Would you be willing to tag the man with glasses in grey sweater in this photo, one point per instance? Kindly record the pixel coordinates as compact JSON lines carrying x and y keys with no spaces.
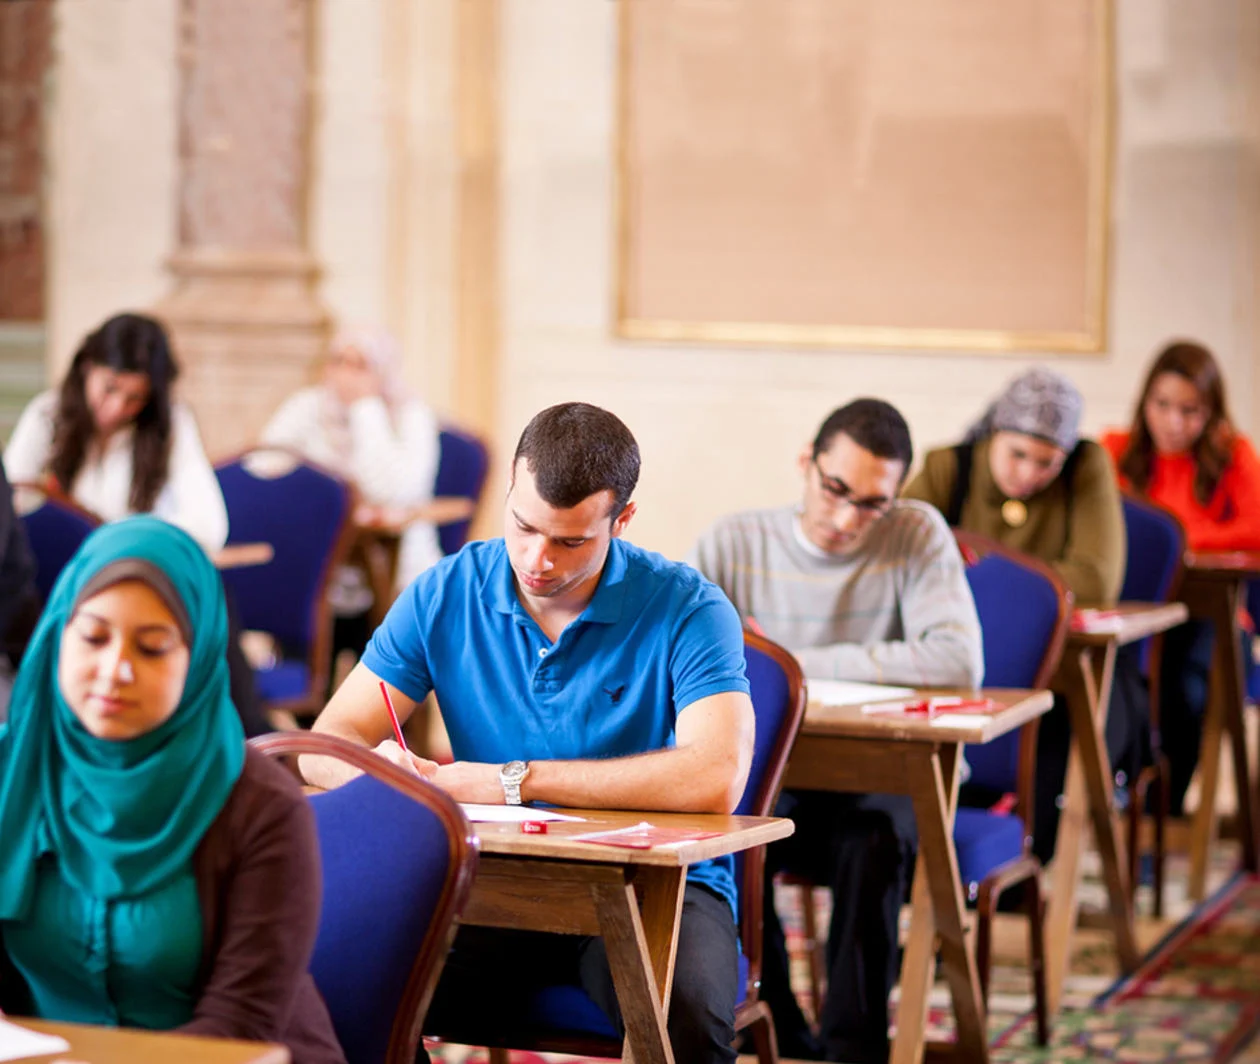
{"x":859,"y":585}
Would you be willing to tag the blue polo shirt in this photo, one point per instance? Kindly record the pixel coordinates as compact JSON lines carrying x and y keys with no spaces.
{"x":655,"y":637}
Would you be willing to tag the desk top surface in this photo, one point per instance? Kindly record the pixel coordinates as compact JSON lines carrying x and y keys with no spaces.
{"x":1133,"y":621}
{"x":1229,"y":565}
{"x":735,"y":833}
{"x":240,"y":555}
{"x":123,"y":1045}
{"x":1018,"y":707}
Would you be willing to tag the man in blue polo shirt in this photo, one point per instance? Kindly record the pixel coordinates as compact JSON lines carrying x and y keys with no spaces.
{"x":575,"y":669}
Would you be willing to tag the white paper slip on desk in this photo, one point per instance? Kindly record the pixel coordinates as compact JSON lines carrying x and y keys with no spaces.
{"x":846,"y":693}
{"x":17,"y":1043}
{"x":509,"y":814}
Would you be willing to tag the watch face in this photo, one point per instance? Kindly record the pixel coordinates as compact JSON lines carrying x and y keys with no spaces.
{"x":514,"y":771}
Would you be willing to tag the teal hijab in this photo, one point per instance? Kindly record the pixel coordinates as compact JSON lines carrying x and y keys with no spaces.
{"x":122,"y":817}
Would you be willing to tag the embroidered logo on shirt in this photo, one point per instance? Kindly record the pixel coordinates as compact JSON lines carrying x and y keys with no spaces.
{"x":615,"y":693}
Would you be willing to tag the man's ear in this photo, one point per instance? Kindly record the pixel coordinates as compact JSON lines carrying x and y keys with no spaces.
{"x":623,"y":519}
{"x":805,"y":459}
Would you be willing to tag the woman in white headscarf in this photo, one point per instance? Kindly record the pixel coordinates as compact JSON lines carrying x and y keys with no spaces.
{"x":362,"y":423}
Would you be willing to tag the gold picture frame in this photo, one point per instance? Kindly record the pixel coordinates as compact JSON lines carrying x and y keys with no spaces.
{"x":639,"y":270}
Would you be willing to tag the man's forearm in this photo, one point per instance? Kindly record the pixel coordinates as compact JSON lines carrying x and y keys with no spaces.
{"x":329,"y":772}
{"x":678,"y":779}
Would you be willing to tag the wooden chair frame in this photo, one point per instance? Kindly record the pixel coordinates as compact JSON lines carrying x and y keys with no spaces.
{"x":462,"y":856}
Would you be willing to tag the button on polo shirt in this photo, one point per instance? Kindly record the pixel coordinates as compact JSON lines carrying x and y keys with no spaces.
{"x":655,"y":637}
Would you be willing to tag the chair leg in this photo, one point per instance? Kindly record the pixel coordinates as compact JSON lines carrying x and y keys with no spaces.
{"x":1037,"y":957}
{"x":1027,"y":870}
{"x":1164,"y":782}
{"x":764,"y":1040}
{"x":815,"y":949}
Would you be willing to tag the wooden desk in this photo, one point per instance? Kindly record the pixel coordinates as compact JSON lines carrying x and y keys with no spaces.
{"x":378,"y":541}
{"x":1212,"y":587}
{"x":551,"y":883}
{"x":842,"y":749}
{"x":1085,"y":678}
{"x":240,"y":555}
{"x":126,"y":1045}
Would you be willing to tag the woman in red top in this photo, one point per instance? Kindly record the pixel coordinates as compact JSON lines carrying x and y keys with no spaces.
{"x":1184,"y":453}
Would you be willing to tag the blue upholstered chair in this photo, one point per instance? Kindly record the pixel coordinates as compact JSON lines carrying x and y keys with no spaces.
{"x":1024,"y":610}
{"x":463,"y":462}
{"x":567,"y":1020}
{"x":1152,"y":573}
{"x":304,"y":512}
{"x":55,"y":526}
{"x":399,"y":860}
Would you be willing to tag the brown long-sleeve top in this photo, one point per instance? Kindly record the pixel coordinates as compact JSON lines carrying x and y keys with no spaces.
{"x":1076,"y":528}
{"x":258,"y":881}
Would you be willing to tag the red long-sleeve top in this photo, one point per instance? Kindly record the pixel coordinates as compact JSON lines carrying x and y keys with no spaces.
{"x":1230,"y":521}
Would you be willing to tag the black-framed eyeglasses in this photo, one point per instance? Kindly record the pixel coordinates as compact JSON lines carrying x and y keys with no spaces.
{"x":837,"y":491}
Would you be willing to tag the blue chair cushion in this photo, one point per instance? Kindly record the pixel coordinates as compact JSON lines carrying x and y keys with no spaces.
{"x":289,"y":679}
{"x":985,"y":841}
{"x":568,"y":1008}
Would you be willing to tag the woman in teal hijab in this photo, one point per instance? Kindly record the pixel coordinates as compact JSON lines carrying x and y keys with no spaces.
{"x":134,"y":828}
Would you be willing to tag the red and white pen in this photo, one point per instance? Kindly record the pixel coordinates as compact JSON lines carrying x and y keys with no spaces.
{"x":393,"y":717}
{"x":925,"y":707}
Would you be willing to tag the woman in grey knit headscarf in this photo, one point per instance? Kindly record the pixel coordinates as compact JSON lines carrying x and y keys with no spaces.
{"x":1023,"y":476}
{"x":1034,"y":426}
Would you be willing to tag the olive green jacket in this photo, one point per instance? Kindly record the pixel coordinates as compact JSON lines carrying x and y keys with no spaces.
{"x":1077,"y":528}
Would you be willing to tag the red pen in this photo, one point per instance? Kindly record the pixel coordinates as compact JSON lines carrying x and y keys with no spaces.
{"x":393,"y":717}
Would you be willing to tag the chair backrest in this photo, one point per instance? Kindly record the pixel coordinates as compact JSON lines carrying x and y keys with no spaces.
{"x":275,"y":496}
{"x":55,"y":526}
{"x":1025,"y":610}
{"x":1156,"y":545}
{"x":463,"y":462}
{"x":778,"y":698}
{"x":399,"y":860}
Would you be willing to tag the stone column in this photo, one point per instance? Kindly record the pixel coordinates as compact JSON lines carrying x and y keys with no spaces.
{"x":25,"y":43}
{"x":244,"y":311}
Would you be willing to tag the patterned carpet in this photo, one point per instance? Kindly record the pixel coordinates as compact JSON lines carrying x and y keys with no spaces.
{"x":1196,"y":998}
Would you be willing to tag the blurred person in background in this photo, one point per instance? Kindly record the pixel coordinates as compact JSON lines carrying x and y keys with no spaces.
{"x":113,"y":438}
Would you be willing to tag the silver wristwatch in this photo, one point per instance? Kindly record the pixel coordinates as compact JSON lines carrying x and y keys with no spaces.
{"x":512,"y":775}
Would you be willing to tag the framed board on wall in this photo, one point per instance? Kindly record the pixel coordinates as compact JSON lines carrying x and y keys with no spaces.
{"x":864,"y":173}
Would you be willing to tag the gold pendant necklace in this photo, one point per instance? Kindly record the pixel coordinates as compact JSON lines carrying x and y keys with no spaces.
{"x":1014,"y":513}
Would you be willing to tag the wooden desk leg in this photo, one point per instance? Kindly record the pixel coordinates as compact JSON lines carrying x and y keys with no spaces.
{"x":1086,"y":796}
{"x":1098,"y":674}
{"x":641,"y":956}
{"x":1224,"y":714}
{"x":935,"y":796}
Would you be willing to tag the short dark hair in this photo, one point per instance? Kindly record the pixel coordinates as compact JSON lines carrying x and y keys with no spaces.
{"x":872,"y":424}
{"x":576,"y":450}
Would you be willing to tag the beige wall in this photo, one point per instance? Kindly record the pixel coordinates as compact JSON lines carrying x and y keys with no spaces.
{"x":384,"y":172}
{"x":110,"y":190}
{"x":720,"y":427}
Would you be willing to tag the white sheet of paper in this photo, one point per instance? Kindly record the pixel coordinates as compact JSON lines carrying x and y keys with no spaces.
{"x":845,"y":693}
{"x":509,"y":814}
{"x":17,"y":1043}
